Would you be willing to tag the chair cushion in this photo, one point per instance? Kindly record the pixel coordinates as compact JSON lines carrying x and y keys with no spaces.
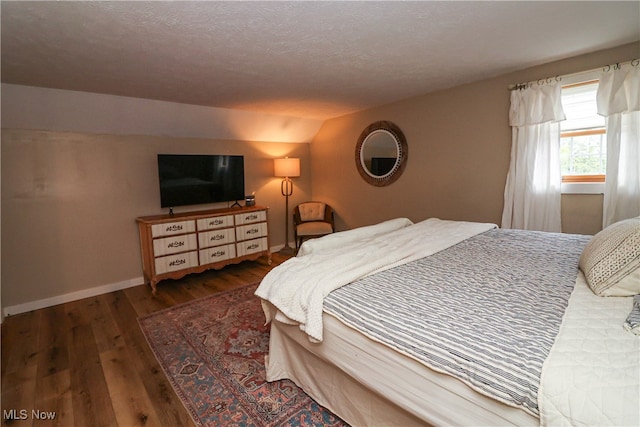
{"x":314,"y":228}
{"x":312,"y":211}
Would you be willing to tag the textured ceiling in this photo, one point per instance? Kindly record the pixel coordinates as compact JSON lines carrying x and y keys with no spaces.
{"x":303,"y":59}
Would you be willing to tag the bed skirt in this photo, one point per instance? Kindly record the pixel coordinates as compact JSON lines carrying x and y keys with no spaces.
{"x":368,"y":384}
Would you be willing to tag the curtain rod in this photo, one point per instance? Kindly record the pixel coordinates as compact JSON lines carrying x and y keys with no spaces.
{"x":606,"y":68}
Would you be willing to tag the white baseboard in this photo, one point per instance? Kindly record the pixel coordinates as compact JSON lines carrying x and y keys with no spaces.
{"x":86,"y":293}
{"x":276,"y":248}
{"x":72,"y":296}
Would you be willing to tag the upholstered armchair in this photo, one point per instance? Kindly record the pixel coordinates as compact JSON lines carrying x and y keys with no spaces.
{"x":312,"y":219}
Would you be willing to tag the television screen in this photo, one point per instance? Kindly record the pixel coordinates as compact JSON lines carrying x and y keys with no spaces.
{"x":192,"y":179}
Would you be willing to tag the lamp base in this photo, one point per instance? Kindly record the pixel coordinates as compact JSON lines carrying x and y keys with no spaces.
{"x":287,"y":250}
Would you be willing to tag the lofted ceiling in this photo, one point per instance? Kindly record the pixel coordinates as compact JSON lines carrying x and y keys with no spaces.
{"x":307,"y":59}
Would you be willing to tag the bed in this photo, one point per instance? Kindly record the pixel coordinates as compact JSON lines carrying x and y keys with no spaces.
{"x":459,"y":323}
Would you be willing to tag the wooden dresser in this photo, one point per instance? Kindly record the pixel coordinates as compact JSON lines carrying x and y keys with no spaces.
{"x":192,"y":242}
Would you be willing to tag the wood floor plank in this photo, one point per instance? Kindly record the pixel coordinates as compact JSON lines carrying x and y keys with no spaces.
{"x":132,"y":404}
{"x":88,"y":362}
{"x":54,"y":401}
{"x":105,"y":329}
{"x":168,"y":406}
{"x":53,"y":354}
{"x":53,"y":405}
{"x":19,"y":394}
{"x":144,"y":302}
{"x":20,"y":346}
{"x":20,"y":370}
{"x":91,"y":400}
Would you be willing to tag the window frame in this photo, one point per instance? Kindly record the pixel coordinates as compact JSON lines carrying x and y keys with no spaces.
{"x":583,"y":177}
{"x":583,"y":184}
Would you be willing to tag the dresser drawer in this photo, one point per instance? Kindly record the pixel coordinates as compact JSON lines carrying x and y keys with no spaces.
{"x":252,"y":246}
{"x":251,"y":231}
{"x":215,"y":222}
{"x":173,"y":228}
{"x":181,"y":261}
{"x":216,"y":237}
{"x":251,"y":217}
{"x":217,"y":254}
{"x":174,"y":244}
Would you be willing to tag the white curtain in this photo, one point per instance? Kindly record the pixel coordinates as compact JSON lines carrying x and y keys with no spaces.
{"x":618,"y":100}
{"x":532,"y":194}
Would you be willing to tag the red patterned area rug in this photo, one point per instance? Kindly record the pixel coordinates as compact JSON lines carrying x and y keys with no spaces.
{"x":212,"y":350}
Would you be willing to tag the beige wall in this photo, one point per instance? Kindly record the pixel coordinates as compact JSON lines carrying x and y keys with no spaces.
{"x":459,"y":144}
{"x":69,"y":200}
{"x":69,"y":203}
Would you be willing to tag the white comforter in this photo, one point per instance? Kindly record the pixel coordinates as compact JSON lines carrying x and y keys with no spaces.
{"x":592,"y":374}
{"x":297,"y":287}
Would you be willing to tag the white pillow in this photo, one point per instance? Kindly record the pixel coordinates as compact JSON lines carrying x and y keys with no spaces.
{"x":344,"y":238}
{"x":611,"y":260}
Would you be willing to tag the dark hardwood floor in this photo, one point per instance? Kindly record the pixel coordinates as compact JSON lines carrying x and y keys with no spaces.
{"x":87,"y":363}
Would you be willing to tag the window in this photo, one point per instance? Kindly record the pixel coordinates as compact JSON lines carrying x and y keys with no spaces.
{"x":583,"y":142}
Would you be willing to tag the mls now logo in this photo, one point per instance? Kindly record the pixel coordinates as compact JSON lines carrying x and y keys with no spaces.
{"x":23,"y":414}
{"x":15,"y":414}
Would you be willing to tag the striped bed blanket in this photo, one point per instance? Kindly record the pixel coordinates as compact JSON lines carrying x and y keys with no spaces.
{"x":486,"y":310}
{"x":294,"y":291}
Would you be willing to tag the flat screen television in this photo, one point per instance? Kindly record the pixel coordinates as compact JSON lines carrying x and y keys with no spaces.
{"x":194,"y":179}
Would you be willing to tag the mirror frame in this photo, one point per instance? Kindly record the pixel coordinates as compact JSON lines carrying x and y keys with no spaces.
{"x":402,"y":150}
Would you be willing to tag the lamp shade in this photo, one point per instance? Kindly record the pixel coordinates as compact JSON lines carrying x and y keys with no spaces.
{"x":287,"y":167}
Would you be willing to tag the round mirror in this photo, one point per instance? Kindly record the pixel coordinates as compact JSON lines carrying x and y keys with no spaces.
{"x":381,"y":153}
